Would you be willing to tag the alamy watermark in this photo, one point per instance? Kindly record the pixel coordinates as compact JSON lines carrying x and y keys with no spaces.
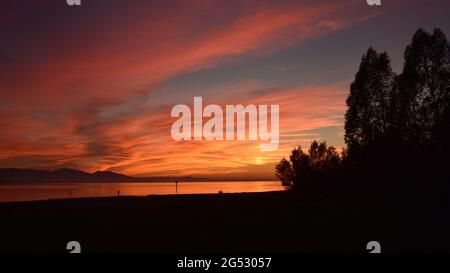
{"x":73,"y":2}
{"x":373,"y":2}
{"x":235,"y":123}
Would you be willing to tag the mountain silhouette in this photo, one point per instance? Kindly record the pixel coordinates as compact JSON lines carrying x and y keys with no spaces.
{"x":72,"y":175}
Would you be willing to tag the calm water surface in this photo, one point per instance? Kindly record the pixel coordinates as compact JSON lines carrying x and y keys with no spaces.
{"x":44,"y":191}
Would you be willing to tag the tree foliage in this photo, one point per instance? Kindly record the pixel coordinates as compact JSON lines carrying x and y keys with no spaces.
{"x":372,"y":101}
{"x":320,"y":162}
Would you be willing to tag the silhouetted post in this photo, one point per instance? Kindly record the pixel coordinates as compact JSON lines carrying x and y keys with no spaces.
{"x":176,"y":187}
{"x":118,"y":193}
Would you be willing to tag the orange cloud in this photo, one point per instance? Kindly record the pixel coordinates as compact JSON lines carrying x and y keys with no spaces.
{"x":152,"y":151}
{"x":61,"y":107}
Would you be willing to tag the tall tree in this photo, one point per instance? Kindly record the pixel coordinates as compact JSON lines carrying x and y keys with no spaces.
{"x":425,"y":86}
{"x":372,"y":101}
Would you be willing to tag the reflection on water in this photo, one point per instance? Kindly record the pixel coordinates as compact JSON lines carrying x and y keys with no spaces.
{"x":43,"y":191}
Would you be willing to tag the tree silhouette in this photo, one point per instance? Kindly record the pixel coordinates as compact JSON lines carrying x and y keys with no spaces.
{"x":304,"y":172}
{"x":425,"y":87}
{"x":284,"y":172}
{"x":372,"y":101}
{"x":397,"y":130}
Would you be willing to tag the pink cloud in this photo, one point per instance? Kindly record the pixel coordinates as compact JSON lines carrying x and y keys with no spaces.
{"x":60,"y":102}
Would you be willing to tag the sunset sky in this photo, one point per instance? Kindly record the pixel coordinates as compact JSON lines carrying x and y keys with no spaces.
{"x":91,"y":87}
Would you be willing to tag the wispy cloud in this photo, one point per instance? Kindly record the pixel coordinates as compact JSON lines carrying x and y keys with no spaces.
{"x":77,"y":94}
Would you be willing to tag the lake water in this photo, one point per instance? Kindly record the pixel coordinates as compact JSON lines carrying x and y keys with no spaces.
{"x":44,"y":191}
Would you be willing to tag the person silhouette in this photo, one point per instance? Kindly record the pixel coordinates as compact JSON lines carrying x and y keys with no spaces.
{"x":118,"y":193}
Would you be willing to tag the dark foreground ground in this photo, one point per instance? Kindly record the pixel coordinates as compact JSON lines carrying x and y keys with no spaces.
{"x":253,"y":222}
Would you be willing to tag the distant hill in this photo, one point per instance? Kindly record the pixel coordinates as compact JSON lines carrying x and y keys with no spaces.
{"x":71,"y":175}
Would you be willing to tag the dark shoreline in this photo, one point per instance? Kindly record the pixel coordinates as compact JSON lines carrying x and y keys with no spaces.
{"x":153,"y":197}
{"x":268,"y":222}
